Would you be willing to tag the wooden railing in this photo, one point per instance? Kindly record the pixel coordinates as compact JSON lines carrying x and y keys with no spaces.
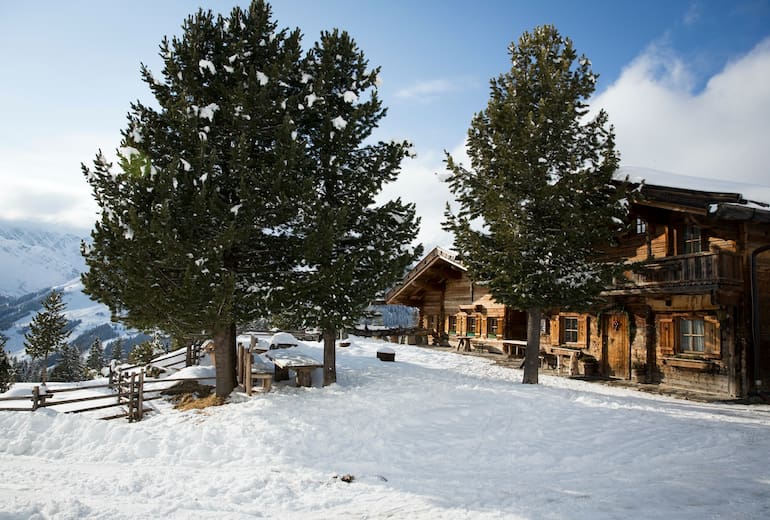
{"x":693,"y":270}
{"x":129,"y":389}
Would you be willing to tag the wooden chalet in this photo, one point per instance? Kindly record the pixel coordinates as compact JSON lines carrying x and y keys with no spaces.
{"x":692,"y":311}
{"x":452,"y":306}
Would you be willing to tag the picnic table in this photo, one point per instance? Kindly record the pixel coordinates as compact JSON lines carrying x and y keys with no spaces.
{"x":464,"y":343}
{"x":514,"y":347}
{"x":301,"y":364}
{"x":565,"y":356}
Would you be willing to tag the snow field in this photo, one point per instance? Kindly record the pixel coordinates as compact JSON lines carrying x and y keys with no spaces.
{"x":433,"y":435}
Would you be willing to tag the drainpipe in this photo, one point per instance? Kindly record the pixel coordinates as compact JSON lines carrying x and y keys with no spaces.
{"x":755,"y":340}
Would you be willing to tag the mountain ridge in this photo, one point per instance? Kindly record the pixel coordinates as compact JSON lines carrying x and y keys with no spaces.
{"x":34,"y":257}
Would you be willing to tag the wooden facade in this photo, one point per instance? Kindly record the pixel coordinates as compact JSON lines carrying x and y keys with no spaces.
{"x":692,"y":311}
{"x":451,"y":305}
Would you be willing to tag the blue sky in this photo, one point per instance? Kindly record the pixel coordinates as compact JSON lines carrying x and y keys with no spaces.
{"x":686,"y":83}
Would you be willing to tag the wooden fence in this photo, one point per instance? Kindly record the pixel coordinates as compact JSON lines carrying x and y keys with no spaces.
{"x":130,"y":384}
{"x":131,"y":391}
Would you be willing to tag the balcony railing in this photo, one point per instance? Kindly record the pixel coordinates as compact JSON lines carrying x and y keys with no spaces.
{"x":698,"y":270}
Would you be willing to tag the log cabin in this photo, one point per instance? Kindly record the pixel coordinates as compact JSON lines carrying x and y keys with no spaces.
{"x":453,"y":307}
{"x":692,"y":310}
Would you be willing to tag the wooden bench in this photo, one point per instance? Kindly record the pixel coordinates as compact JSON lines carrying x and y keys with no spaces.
{"x":256,"y":371}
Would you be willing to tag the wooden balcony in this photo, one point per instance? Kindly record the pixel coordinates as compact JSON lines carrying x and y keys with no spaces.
{"x":693,"y":273}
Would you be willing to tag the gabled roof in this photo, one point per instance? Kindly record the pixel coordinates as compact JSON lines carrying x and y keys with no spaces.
{"x":748,"y":193}
{"x":433,"y":268}
{"x":715,"y":198}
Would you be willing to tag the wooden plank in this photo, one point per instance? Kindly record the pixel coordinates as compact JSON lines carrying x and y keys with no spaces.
{"x":140,"y":397}
{"x":76,"y":388}
{"x":247,"y":369}
{"x":284,"y":359}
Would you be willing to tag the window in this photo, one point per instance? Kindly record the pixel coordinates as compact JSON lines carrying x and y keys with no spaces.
{"x":470,"y":328}
{"x":491,"y":327}
{"x":692,"y":240}
{"x":641,"y":226}
{"x":453,"y":324}
{"x":570,"y":330}
{"x":692,"y":335}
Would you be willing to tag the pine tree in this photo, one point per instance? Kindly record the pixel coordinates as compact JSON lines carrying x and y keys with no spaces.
{"x":353,"y":248}
{"x":47,"y":331}
{"x":142,"y":354}
{"x":117,"y":349}
{"x":7,"y":376}
{"x":197,"y":217}
{"x":70,"y":368}
{"x":95,"y":354}
{"x":538,"y":198}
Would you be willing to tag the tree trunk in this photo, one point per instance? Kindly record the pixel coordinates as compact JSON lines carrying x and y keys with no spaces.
{"x":224,"y":348}
{"x":330,"y":356}
{"x":43,"y":371}
{"x":532,"y":356}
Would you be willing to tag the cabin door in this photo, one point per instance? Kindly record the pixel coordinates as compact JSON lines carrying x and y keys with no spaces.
{"x":616,"y":351}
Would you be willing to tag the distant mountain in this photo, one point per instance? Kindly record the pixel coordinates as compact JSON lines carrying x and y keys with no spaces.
{"x":35,"y":258}
{"x":86,"y":318}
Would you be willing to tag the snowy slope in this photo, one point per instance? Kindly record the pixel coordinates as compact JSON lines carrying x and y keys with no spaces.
{"x":433,"y":435}
{"x":34,"y":258}
{"x":78,"y":307}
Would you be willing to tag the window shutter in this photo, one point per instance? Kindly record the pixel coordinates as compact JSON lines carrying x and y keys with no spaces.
{"x":556,"y":324}
{"x":711,"y":336}
{"x":581,"y":330}
{"x":666,"y":336}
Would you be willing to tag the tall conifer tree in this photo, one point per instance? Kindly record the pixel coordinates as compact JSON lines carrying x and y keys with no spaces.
{"x":116,"y":351}
{"x":95,"y":355}
{"x":538,"y":198}
{"x":70,"y":367}
{"x":47,"y":331}
{"x":353,"y":247}
{"x":7,"y":376}
{"x":197,"y":217}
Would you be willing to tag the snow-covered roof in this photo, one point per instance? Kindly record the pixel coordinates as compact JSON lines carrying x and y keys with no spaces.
{"x":435,"y":256}
{"x":752,"y":193}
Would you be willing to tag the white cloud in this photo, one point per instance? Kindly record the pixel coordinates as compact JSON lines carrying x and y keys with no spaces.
{"x":42,"y":180}
{"x":720,"y":132}
{"x":430,"y":89}
{"x":693,"y":14}
{"x":660,"y":122}
{"x":419,"y":183}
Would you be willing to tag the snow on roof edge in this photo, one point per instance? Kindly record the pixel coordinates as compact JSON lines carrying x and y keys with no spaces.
{"x":750,"y":192}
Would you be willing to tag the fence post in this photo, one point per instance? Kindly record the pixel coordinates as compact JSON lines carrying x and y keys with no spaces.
{"x":130,"y":399}
{"x":140,"y":397}
{"x":35,"y":397}
{"x":248,"y":383}
{"x":239,"y":364}
{"x":119,"y":386}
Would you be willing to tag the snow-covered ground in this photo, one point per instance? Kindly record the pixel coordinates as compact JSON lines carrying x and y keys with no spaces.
{"x":433,"y":435}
